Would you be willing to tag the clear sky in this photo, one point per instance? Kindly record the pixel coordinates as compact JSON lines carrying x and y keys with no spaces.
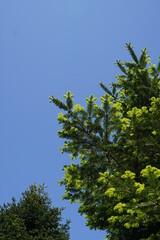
{"x":49,"y":47}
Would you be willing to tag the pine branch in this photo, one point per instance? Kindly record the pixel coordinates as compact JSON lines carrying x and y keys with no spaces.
{"x":158,"y":67}
{"x":58,"y":103}
{"x":107,"y":90}
{"x":132,"y":53}
{"x":121,"y":66}
{"x":142,"y":60}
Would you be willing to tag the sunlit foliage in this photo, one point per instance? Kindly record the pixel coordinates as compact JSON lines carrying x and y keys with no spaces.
{"x":117,"y":178}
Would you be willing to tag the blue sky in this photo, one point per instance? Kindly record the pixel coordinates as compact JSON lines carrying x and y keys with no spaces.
{"x":50,"y":47}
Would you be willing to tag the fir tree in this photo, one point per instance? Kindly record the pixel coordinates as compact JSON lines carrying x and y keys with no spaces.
{"x":32,"y":218}
{"x":117,"y":179}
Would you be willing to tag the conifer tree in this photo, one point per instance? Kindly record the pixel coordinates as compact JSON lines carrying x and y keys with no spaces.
{"x":32,"y":218}
{"x":116,"y":181}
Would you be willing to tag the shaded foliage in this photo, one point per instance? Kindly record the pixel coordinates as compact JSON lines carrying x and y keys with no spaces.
{"x":32,"y":218}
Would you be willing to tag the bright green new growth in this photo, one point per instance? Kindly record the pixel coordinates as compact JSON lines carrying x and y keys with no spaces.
{"x":117,"y":182}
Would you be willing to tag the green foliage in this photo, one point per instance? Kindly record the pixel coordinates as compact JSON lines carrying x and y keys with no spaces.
{"x":117,"y":178}
{"x":32,"y":218}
